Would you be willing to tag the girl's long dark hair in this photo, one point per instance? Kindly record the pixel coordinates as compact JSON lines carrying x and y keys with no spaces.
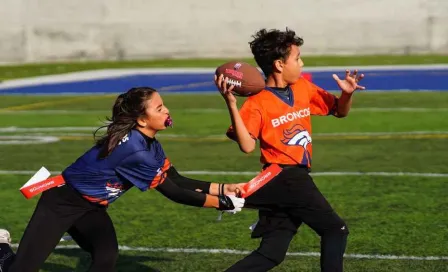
{"x":127,"y":108}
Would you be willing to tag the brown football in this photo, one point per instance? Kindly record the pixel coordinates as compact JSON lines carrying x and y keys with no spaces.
{"x":246,"y":78}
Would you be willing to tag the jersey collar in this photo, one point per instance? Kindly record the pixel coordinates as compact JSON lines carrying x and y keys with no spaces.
{"x":148,"y":140}
{"x":289,"y":101}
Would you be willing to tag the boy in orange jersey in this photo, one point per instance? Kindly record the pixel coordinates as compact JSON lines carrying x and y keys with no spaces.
{"x":279,"y":117}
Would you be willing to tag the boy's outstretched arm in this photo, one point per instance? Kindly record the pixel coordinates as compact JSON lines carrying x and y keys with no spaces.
{"x":245,"y":141}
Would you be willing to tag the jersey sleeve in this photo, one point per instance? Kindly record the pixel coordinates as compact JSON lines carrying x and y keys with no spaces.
{"x":252,"y":117}
{"x":143,"y":170}
{"x":322,"y":102}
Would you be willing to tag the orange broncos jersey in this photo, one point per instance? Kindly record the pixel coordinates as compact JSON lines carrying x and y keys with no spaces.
{"x":283,"y":126}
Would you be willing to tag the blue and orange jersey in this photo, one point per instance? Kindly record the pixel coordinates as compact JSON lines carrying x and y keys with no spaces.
{"x":136,"y":161}
{"x":283,"y":125}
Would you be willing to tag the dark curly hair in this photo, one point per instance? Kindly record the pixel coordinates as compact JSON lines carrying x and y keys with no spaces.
{"x":127,"y":108}
{"x":271,"y":45}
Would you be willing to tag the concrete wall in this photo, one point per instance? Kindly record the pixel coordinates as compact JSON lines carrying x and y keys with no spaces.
{"x":55,"y":30}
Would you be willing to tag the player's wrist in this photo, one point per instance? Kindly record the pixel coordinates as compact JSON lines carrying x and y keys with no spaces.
{"x":228,"y":189}
{"x":231,"y":105}
{"x":221,"y":189}
{"x":347,"y":94}
{"x":217,"y":189}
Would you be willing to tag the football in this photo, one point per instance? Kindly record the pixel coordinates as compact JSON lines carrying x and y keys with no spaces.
{"x":247,"y":79}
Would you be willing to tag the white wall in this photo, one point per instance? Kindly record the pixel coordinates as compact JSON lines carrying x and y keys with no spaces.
{"x":49,"y":30}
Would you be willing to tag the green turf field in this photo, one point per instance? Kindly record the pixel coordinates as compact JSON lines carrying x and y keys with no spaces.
{"x":387,"y":215}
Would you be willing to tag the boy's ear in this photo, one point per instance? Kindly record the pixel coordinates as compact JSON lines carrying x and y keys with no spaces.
{"x":278,"y":65}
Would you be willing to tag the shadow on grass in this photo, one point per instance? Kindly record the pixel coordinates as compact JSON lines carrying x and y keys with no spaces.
{"x":125,"y":262}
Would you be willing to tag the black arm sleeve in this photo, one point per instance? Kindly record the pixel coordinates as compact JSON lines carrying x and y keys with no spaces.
{"x":188,"y":183}
{"x":181,"y":195}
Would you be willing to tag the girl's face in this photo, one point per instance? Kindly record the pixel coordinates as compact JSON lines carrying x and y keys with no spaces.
{"x":156,"y":117}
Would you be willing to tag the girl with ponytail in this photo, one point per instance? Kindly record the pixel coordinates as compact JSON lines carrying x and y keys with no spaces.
{"x":127,"y":155}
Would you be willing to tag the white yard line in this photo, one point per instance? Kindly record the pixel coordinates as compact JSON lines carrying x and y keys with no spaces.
{"x":245,"y":252}
{"x":22,"y":140}
{"x":390,"y":174}
{"x":253,"y":173}
{"x":45,"y":129}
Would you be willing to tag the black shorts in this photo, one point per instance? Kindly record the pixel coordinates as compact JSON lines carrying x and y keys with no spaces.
{"x":289,"y":200}
{"x":63,"y":209}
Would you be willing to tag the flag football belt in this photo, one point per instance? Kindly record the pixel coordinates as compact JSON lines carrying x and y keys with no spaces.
{"x":40,"y":182}
{"x":261,"y":179}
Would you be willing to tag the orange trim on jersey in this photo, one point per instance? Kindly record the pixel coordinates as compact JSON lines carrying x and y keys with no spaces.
{"x":96,"y":200}
{"x":161,"y":175}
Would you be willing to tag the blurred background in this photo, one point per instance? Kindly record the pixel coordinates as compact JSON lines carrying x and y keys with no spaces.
{"x":383,"y":168}
{"x":52,"y":30}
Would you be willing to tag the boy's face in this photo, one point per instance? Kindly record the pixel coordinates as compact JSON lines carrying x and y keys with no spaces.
{"x":292,"y":66}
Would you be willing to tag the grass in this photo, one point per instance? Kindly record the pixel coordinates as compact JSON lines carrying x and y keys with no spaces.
{"x":28,"y":70}
{"x":386,"y":215}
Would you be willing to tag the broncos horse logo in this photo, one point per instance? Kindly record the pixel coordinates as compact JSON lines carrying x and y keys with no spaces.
{"x":298,"y":136}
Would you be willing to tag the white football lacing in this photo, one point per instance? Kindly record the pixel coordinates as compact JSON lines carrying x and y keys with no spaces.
{"x":233,"y":82}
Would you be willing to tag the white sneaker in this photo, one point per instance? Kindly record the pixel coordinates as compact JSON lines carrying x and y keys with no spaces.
{"x":5,"y":237}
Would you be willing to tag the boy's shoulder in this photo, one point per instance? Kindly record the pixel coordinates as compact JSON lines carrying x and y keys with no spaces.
{"x":263,"y":95}
{"x":259,"y":101}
